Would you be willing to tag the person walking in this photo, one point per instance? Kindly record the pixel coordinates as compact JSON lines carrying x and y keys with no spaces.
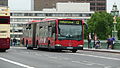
{"x":113,"y":42}
{"x":89,"y":40}
{"x":95,"y":38}
{"x":109,"y":42}
{"x":14,"y":41}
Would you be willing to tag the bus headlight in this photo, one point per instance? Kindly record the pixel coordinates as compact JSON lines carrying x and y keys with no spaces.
{"x":80,"y":45}
{"x":57,"y":45}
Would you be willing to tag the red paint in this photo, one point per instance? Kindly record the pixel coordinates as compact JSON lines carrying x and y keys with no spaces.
{"x":53,"y":41}
{"x":4,"y":43}
{"x":71,"y":43}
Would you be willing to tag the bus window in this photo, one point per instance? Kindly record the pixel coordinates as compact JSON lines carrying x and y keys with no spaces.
{"x":40,"y":27}
{"x":50,"y":31}
{"x":70,"y":29}
{"x":4,"y":20}
{"x":29,"y":26}
{"x":53,"y":29}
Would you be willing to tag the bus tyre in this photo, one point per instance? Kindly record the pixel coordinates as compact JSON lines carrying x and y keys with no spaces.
{"x":74,"y":51}
{"x":23,"y":42}
{"x":3,"y":50}
{"x":50,"y":49}
{"x":30,"y":48}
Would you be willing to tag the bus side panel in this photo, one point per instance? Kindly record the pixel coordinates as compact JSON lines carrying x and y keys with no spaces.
{"x":52,"y":41}
{"x":28,"y":41}
{"x":42,"y":42}
{"x":4,"y":43}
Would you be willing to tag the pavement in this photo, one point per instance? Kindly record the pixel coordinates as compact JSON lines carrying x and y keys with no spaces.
{"x":102,"y":50}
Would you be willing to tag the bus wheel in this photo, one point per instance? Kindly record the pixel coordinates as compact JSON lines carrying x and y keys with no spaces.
{"x":23,"y":42}
{"x":30,"y":48}
{"x":50,"y":49}
{"x":74,"y":51}
{"x":59,"y":50}
{"x":3,"y":50}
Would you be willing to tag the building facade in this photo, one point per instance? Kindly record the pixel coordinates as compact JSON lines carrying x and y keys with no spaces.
{"x":3,"y":2}
{"x":20,"y":18}
{"x":95,"y":5}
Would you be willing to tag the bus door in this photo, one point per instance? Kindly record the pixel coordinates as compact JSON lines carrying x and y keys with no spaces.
{"x":51,"y":34}
{"x":34,"y":34}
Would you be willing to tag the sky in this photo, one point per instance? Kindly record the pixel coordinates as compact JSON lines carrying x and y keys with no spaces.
{"x":19,"y":4}
{"x":26,"y":4}
{"x":110,"y":4}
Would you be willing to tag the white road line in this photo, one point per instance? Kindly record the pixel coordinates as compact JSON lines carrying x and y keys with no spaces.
{"x":108,"y":67}
{"x":95,"y":56}
{"x":81,"y":63}
{"x":53,"y":57}
{"x":16,"y":63}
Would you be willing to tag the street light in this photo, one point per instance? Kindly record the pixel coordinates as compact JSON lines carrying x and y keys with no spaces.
{"x":115,"y":13}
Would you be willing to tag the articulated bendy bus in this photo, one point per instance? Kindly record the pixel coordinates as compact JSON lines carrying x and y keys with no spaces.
{"x":4,"y":28}
{"x":54,"y":34}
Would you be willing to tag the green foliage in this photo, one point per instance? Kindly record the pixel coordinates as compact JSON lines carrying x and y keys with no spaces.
{"x":101,"y":23}
{"x":118,"y":27}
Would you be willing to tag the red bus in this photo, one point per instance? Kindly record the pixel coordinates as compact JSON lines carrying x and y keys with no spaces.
{"x":4,"y":28}
{"x":55,"y":34}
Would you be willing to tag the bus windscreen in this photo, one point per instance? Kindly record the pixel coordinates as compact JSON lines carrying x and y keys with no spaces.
{"x":4,"y":20}
{"x":70,"y":29}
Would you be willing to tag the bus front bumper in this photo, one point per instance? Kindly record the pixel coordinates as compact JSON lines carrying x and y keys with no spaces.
{"x":68,"y":48}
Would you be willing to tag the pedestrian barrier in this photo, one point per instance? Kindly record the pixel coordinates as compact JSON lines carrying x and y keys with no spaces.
{"x":103,"y":44}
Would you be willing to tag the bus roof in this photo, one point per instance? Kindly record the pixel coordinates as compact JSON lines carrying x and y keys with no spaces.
{"x":33,"y":21}
{"x":50,"y":19}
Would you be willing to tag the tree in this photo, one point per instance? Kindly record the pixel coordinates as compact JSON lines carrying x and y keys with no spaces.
{"x":118,"y":27}
{"x":101,"y":23}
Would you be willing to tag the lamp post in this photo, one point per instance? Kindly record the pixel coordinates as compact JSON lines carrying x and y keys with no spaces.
{"x":115,"y":13}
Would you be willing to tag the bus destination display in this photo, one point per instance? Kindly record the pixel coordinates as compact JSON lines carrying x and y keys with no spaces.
{"x":70,"y":22}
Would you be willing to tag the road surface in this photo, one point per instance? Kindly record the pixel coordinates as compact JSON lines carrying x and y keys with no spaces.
{"x":20,"y":57}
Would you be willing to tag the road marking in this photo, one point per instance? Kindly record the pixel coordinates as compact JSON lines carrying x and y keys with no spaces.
{"x":53,"y":57}
{"x":81,"y":62}
{"x":108,"y":67}
{"x":95,"y":56}
{"x":16,"y":63}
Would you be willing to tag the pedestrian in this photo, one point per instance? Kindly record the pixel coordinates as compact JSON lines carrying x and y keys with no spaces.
{"x":89,"y":40}
{"x":113,"y":42}
{"x":97,"y":44}
{"x":95,"y":39}
{"x":14,"y":41}
{"x":10,"y":42}
{"x":109,"y":42}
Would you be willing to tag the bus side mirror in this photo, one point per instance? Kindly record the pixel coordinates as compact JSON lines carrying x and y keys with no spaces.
{"x":86,"y":26}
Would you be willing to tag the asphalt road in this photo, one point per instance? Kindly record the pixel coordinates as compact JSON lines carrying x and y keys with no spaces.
{"x":20,"y":57}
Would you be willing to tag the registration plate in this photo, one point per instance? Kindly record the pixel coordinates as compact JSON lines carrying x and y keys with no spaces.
{"x":69,"y":47}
